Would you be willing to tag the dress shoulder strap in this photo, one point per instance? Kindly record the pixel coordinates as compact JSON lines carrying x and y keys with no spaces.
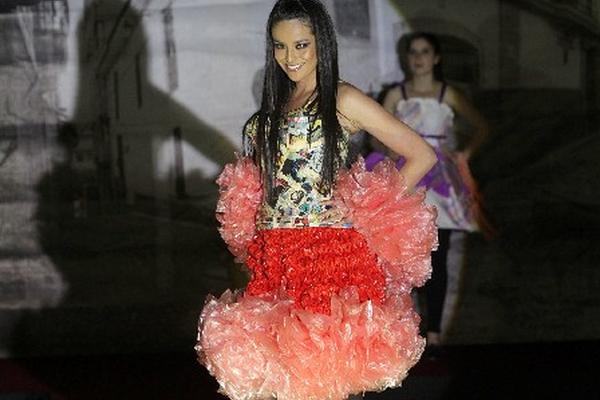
{"x":403,"y":90}
{"x":442,"y":92}
{"x":355,"y":126}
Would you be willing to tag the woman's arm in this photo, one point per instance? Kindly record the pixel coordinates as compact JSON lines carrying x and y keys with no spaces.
{"x":463,"y":107}
{"x":391,"y":99}
{"x":373,"y":118}
{"x":390,"y":102}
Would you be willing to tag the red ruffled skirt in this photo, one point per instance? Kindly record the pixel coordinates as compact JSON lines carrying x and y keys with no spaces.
{"x":312,"y":264}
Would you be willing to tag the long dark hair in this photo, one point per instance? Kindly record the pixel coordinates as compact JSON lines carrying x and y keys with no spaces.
{"x":277,"y":88}
{"x":434,"y":42}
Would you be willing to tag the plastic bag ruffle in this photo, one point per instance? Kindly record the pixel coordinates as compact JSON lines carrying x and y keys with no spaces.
{"x":260,"y":348}
{"x":240,"y":194}
{"x":398,"y":225}
{"x":312,"y":264}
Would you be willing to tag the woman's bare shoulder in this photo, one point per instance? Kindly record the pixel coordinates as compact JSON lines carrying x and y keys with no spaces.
{"x":350,"y":97}
{"x":454,"y":95}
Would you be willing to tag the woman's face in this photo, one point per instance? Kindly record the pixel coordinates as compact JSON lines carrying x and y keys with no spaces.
{"x":295,"y":49}
{"x":421,"y":57}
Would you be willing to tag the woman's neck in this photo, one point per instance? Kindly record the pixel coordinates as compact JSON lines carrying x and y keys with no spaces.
{"x":304,"y":89}
{"x":306,"y":85}
{"x":301,"y":95}
{"x":423,"y":83}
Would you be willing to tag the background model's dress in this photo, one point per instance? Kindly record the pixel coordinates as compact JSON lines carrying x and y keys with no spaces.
{"x":328,"y":310}
{"x":434,"y":121}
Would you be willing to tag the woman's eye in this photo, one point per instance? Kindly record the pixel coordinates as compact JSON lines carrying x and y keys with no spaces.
{"x":278,"y":46}
{"x":419,"y":52}
{"x":300,"y":46}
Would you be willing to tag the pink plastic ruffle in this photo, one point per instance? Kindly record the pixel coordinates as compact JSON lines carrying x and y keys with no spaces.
{"x":398,"y":225}
{"x":240,"y":194}
{"x":263,"y":347}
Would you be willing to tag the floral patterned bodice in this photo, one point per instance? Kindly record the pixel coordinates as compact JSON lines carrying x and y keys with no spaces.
{"x":300,"y":201}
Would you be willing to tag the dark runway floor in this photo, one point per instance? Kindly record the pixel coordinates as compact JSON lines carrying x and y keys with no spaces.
{"x":529,"y":371}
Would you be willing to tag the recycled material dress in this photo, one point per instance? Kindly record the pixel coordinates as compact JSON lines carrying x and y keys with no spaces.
{"x":449,"y":188}
{"x":327,"y":312}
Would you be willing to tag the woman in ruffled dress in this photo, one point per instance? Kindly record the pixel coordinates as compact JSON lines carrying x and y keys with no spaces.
{"x":333,"y":253}
{"x":428,"y":105}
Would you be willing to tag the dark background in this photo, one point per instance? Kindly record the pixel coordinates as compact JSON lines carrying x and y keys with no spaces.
{"x":92,"y":264}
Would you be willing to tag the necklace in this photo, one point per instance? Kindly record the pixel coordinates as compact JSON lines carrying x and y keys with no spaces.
{"x":305,"y":103}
